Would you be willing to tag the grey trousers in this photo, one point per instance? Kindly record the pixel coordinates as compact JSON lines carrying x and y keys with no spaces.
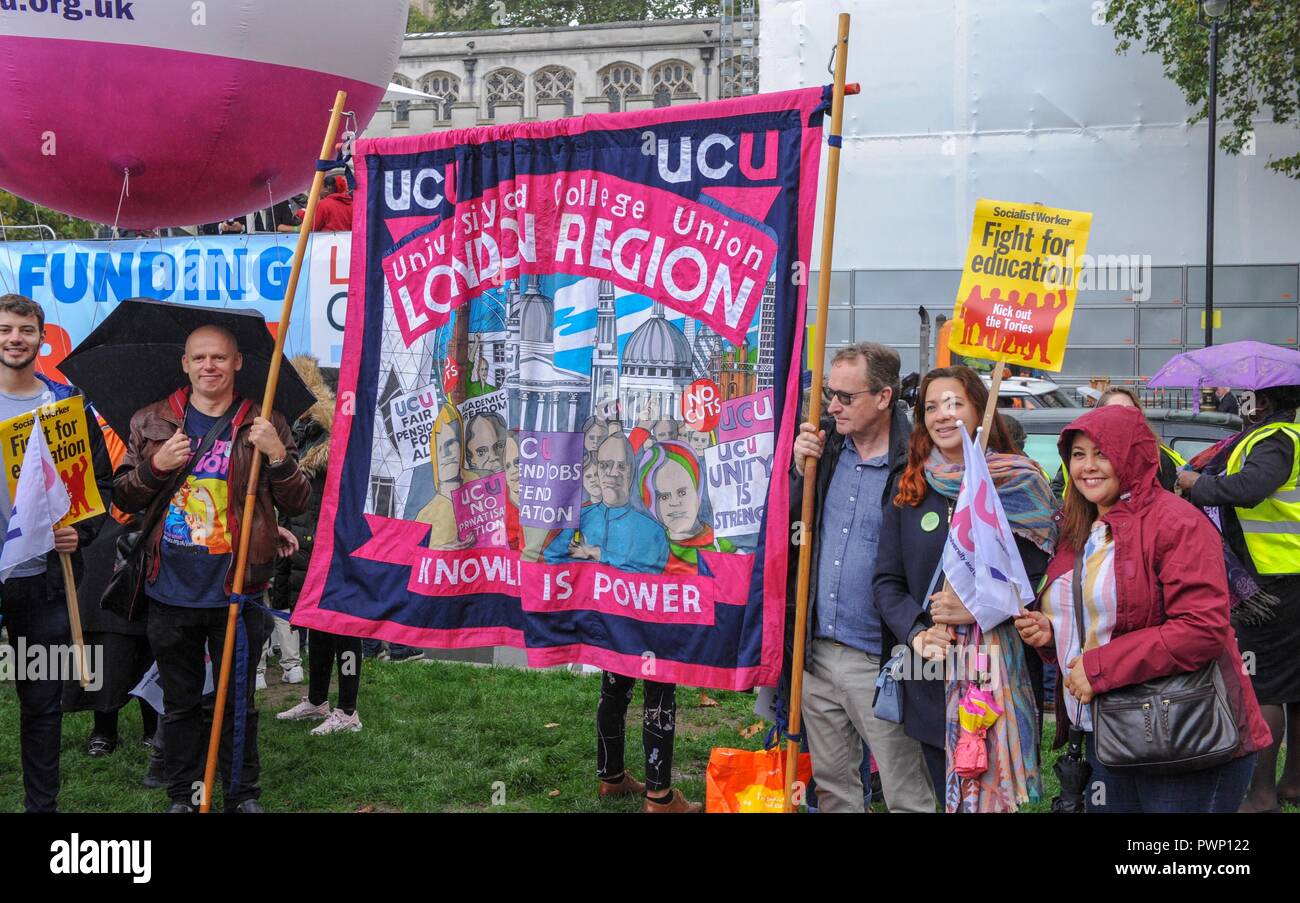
{"x":837,"y":690}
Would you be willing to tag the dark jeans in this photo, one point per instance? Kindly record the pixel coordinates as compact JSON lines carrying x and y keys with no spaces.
{"x":657,"y":731}
{"x":1218,"y":789}
{"x":325,"y":649}
{"x":177,"y":635}
{"x":32,"y":615}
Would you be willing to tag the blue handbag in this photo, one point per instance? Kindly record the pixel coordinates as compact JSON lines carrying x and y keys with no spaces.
{"x":888,"y":700}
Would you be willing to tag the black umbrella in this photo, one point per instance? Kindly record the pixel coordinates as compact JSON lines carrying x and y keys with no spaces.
{"x":133,"y":359}
{"x":1074,"y":772}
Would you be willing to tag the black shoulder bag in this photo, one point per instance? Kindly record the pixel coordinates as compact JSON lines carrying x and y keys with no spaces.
{"x":1166,"y":725}
{"x":124,"y":595}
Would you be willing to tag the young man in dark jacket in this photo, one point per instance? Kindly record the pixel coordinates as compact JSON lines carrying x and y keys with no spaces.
{"x":32,"y":601}
{"x":191,"y":550}
{"x":861,"y":444}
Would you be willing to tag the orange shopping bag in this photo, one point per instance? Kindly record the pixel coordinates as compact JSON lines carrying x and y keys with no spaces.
{"x":750,"y":780}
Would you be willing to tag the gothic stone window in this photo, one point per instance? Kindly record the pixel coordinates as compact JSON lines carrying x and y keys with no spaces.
{"x":445,"y":89}
{"x":401,"y":108}
{"x":503,"y":86}
{"x":737,"y":74}
{"x":555,"y":82}
{"x":618,"y":81}
{"x":670,"y":79}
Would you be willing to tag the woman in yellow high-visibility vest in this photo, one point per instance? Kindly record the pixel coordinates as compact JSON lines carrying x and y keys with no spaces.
{"x":1251,"y":486}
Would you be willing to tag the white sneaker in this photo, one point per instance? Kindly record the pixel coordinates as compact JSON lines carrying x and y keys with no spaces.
{"x":293,"y":675}
{"x":337,"y":721}
{"x":260,"y":683}
{"x":304,"y":711}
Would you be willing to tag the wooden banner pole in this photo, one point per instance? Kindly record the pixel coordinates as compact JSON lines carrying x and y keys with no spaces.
{"x":815,"y":405}
{"x":74,"y":618}
{"x":995,"y":387}
{"x":250,"y":498}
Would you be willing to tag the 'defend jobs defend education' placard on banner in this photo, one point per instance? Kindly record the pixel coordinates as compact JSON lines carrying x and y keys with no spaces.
{"x":573,"y":352}
{"x":1016,"y":297}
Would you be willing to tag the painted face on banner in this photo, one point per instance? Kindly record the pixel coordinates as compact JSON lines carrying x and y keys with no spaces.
{"x":512,"y":467}
{"x":484,"y":450}
{"x":665,"y":430}
{"x":676,"y":501}
{"x":614,"y":460}
{"x":595,"y":434}
{"x":447,"y":448}
{"x":698,"y":441}
{"x":591,"y":477}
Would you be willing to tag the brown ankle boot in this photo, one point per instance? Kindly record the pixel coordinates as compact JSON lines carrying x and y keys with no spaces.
{"x":675,"y":803}
{"x":624,"y":786}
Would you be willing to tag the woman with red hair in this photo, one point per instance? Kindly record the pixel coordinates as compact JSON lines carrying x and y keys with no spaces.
{"x":933,"y":624}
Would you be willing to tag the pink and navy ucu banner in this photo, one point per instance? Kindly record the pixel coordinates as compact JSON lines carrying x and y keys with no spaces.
{"x":569,"y":390}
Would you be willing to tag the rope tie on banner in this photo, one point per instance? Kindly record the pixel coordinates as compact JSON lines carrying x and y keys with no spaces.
{"x":780,"y":729}
{"x":256,"y":602}
{"x":344,"y":158}
{"x":239,"y":726}
{"x":819,"y":112}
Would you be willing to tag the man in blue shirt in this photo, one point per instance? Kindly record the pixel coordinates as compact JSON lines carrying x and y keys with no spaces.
{"x":868,"y":434}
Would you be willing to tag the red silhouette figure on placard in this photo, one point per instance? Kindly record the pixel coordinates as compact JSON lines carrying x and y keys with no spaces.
{"x":1009,"y":337}
{"x":1013,"y":342}
{"x":75,"y":479}
{"x":975,"y":313}
{"x":1044,"y":322}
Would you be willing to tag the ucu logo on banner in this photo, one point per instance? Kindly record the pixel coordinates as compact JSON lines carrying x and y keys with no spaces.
{"x":213,"y":464}
{"x":421,"y":191}
{"x":711,"y":157}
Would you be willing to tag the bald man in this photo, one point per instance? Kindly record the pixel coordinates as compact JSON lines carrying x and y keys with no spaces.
{"x":193,"y":501}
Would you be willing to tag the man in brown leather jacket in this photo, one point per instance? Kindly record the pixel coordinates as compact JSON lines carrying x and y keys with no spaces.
{"x":191,"y":551}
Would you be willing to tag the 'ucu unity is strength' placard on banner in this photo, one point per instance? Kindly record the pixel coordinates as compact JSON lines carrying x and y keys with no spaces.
{"x":569,"y":390}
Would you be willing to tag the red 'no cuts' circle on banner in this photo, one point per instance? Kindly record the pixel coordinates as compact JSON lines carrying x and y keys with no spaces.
{"x":702,"y":405}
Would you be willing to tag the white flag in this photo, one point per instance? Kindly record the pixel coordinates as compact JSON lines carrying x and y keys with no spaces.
{"x":980,"y":557}
{"x":40,"y":502}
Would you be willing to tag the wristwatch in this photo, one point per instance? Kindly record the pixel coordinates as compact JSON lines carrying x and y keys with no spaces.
{"x":277,"y":462}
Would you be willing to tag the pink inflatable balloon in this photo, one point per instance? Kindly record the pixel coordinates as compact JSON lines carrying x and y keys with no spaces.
{"x":203,"y":102}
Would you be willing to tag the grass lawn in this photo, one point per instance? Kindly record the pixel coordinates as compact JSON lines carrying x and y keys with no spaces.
{"x":438,"y":736}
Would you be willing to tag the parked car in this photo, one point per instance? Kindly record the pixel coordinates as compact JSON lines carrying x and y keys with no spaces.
{"x":1023,"y":393}
{"x":1186,"y":433}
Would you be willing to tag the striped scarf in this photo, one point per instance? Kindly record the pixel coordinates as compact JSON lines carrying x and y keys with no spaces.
{"x":1025,"y":493}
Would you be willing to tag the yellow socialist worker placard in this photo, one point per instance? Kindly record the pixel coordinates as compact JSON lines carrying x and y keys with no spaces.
{"x":64,"y":423}
{"x":1016,"y":297}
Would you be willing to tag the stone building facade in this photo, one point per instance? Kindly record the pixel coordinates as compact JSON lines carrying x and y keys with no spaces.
{"x":522,"y":74}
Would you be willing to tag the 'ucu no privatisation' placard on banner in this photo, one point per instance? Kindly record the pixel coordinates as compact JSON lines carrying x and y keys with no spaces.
{"x":575,"y":361}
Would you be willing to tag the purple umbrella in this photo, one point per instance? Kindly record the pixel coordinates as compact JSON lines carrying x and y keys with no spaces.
{"x":1237,"y":365}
